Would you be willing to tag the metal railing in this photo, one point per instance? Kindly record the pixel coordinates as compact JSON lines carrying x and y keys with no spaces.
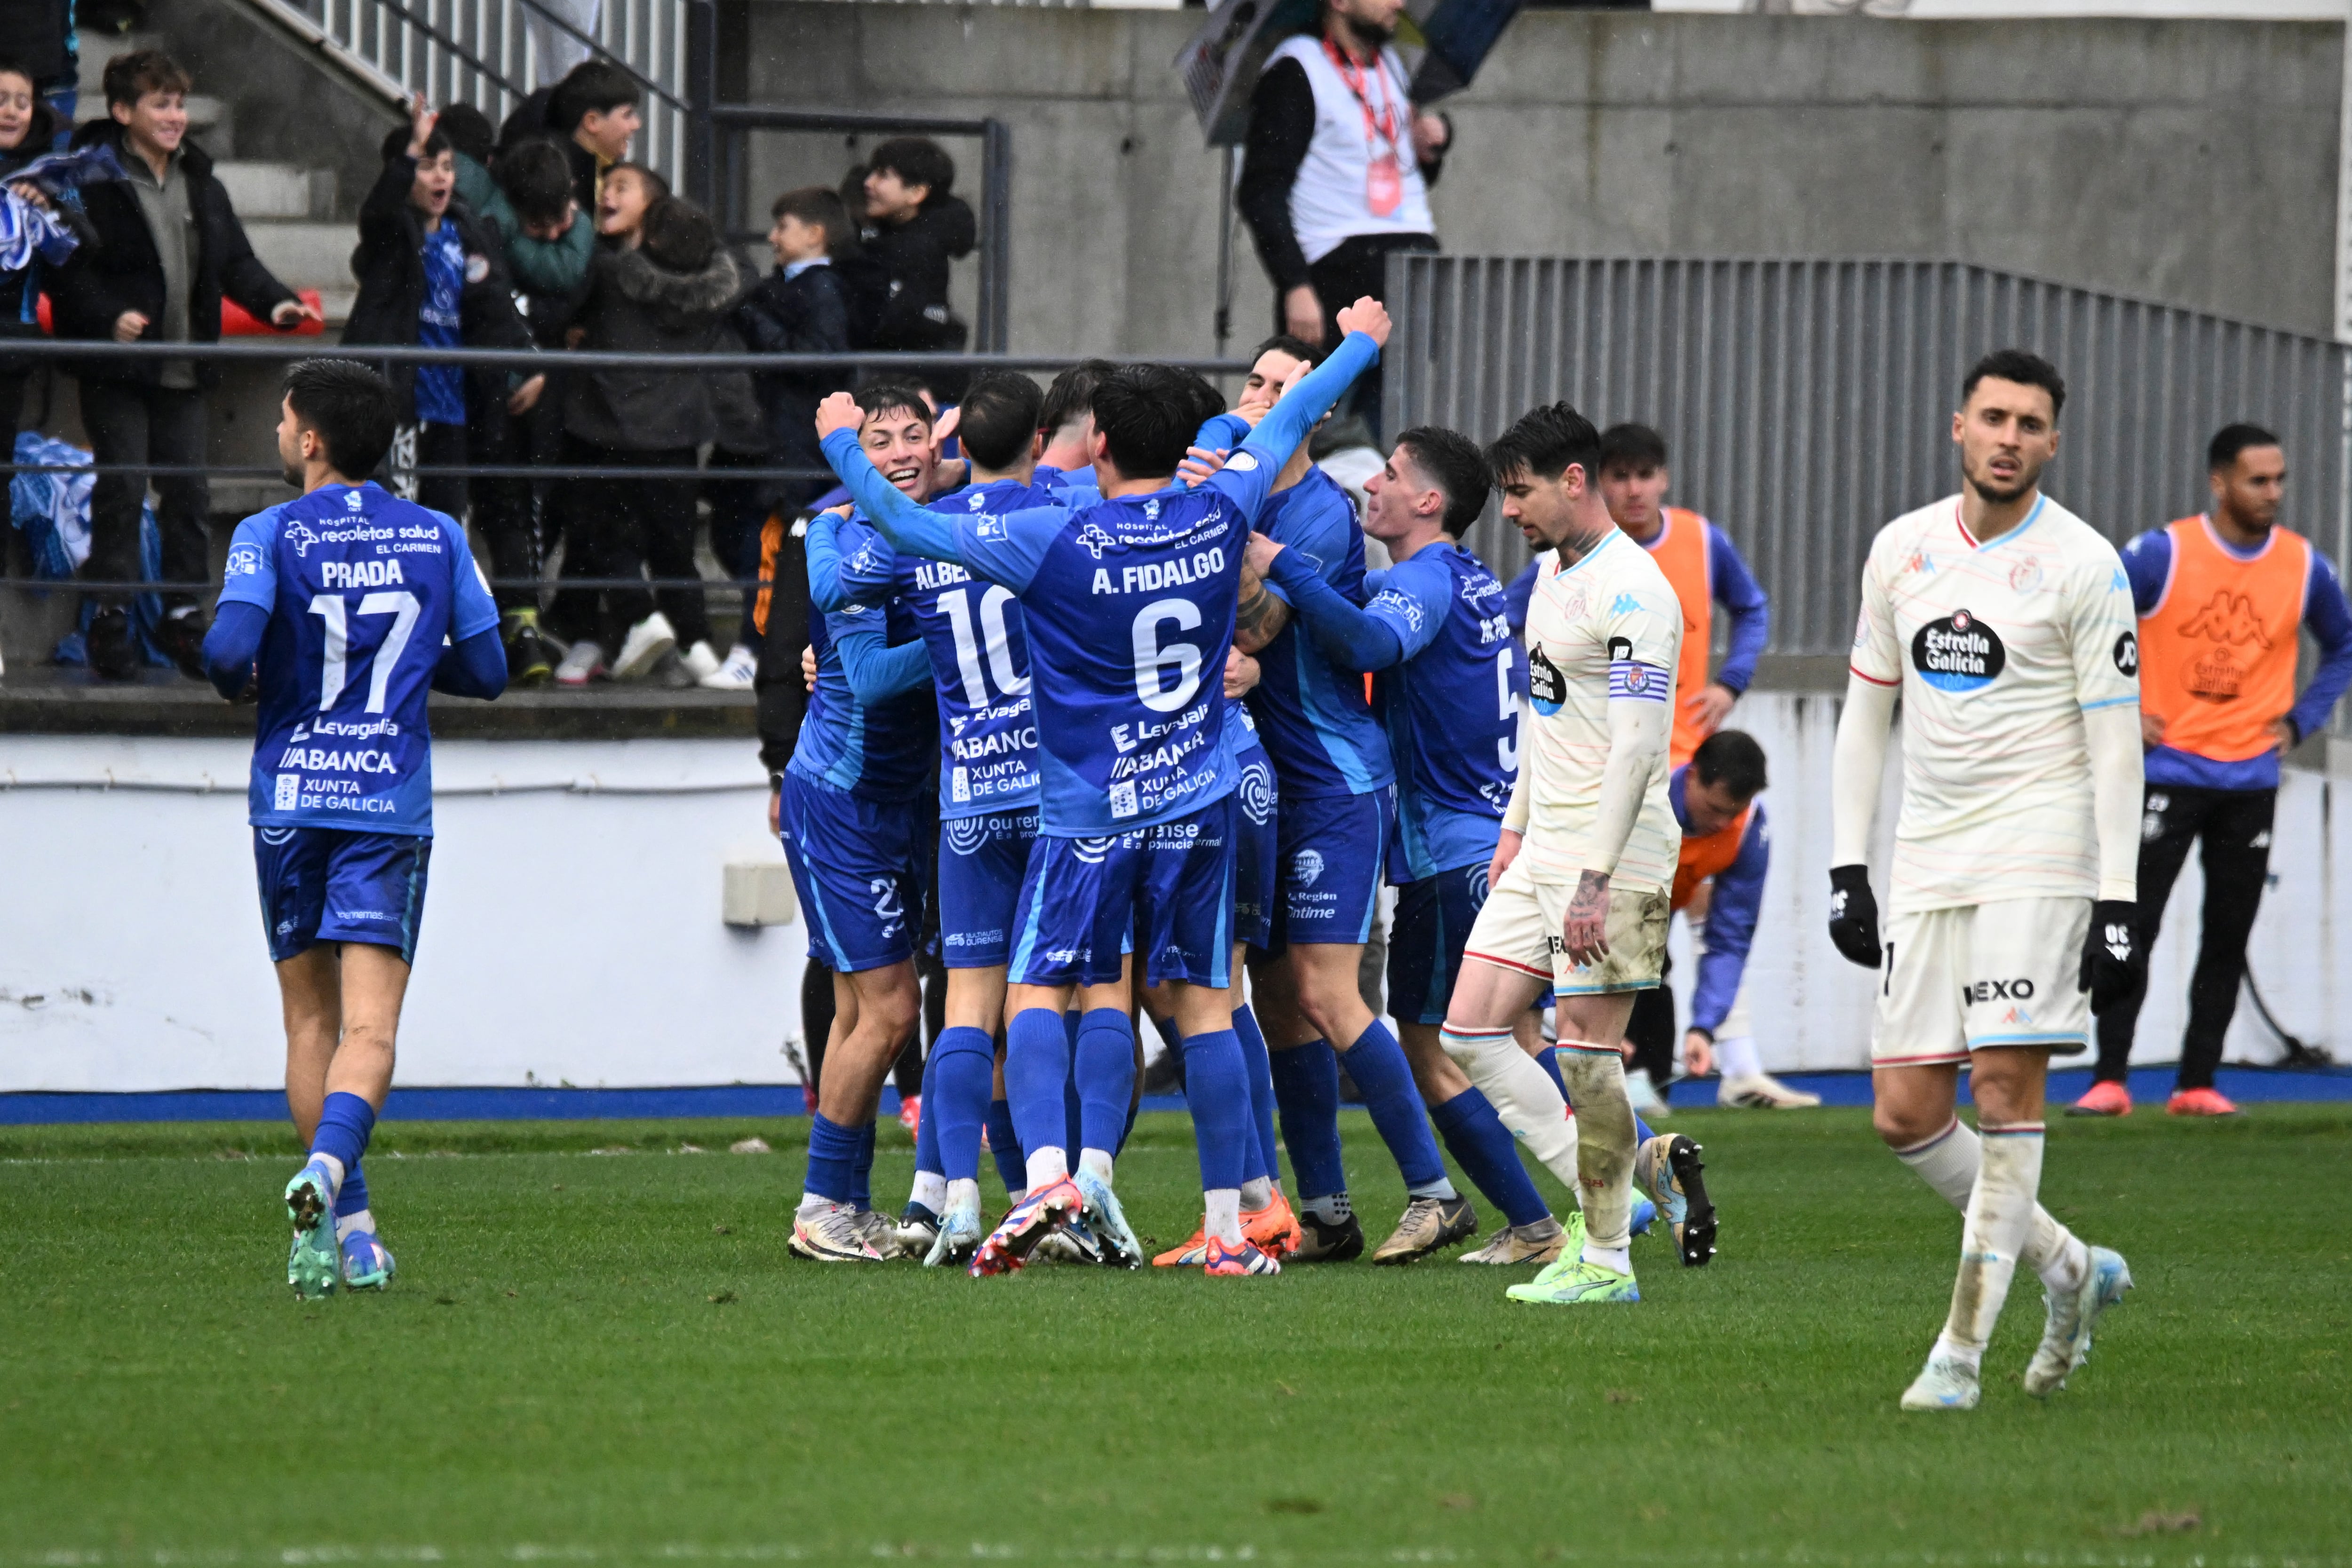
{"x":493,"y":54}
{"x":1807,"y":403}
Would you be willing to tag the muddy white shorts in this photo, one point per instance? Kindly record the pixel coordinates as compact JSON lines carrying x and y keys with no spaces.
{"x":1519,"y":928}
{"x":1978,"y":977}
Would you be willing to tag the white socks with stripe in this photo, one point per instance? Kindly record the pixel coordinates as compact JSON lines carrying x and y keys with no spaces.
{"x":1522,"y":1094}
{"x":1949,"y":1163}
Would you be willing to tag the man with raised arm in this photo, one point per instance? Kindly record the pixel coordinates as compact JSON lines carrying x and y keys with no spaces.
{"x":1129,"y":604}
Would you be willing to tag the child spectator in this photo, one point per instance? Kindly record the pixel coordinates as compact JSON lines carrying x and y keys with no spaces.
{"x":432,"y":274}
{"x":800,"y":307}
{"x":593,"y":113}
{"x":913,"y":229}
{"x":661,"y":286}
{"x":28,"y":129}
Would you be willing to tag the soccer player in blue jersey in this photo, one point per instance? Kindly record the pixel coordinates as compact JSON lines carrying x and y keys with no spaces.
{"x":1129,"y":604}
{"x":851,"y":814}
{"x":340,"y":610}
{"x":1331,"y":762}
{"x":1449,"y":682}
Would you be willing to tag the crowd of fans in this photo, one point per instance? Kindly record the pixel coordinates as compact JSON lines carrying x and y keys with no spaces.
{"x":536,"y":235}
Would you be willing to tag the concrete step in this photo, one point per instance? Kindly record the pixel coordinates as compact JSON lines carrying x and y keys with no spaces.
{"x":283,"y":191}
{"x":306,"y":255}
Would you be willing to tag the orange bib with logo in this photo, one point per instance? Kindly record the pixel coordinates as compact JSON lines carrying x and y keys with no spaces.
{"x":1706,"y":857}
{"x":1680,"y":549}
{"x":2217,"y":654}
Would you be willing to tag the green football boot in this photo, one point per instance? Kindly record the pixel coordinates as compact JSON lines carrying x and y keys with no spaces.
{"x":315,"y":1263}
{"x":1579,"y":1284}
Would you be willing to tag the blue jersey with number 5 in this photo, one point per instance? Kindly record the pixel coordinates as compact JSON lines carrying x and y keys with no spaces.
{"x":361,"y":589}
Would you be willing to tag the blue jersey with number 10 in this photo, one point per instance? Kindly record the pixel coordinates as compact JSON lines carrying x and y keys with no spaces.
{"x":361,"y":589}
{"x":1129,"y":605}
{"x":980,"y":655}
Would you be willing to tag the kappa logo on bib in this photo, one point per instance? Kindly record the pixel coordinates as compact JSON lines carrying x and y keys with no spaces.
{"x":1957,"y":654}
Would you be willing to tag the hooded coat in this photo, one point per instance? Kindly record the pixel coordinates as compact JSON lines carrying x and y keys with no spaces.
{"x":390,"y":266}
{"x":899,"y":281}
{"x":633,"y":305}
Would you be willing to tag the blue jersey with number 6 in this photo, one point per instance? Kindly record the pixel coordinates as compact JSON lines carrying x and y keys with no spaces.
{"x":362,"y":589}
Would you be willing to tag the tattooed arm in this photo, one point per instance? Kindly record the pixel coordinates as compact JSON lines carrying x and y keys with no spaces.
{"x":1260,"y":617}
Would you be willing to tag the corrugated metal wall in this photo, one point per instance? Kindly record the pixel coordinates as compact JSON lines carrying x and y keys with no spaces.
{"x":1809,"y":401}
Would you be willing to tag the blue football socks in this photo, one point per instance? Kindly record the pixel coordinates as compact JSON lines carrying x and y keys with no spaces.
{"x":1376,"y":1061}
{"x":1072,"y":1109}
{"x":1036,"y":1079}
{"x":1642,"y":1133}
{"x":1217,"y":1090}
{"x":345,"y":1121}
{"x":1105,"y":1062}
{"x":926,"y":1125}
{"x":1487,"y":1155}
{"x":1306,"y":1090}
{"x":352,"y":1197}
{"x":861,"y":1171}
{"x":960,"y":1071}
{"x":1266,"y":1161}
{"x":1549,"y":1059}
{"x":1004,"y":1144}
{"x":832,"y":1160}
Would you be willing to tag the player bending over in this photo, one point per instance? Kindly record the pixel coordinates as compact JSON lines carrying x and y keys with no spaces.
{"x":1129,"y":605}
{"x":340,"y":610}
{"x":852,"y":816}
{"x":1581,"y":902}
{"x":2006,"y":624}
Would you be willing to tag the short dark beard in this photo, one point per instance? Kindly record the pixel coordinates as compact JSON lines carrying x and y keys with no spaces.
{"x":1367,"y":34}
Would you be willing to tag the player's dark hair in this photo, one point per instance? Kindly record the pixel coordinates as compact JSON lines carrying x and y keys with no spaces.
{"x":1632,"y":446}
{"x":679,"y":236}
{"x":1544,"y":444}
{"x":2025,"y":367}
{"x":2222,"y":450}
{"x":132,"y":77}
{"x":349,"y":407}
{"x":1072,"y":396}
{"x":1730,"y":759}
{"x":396,"y":143}
{"x":1145,"y":412}
{"x":879,"y":398}
{"x":998,"y":418}
{"x":917,"y":161}
{"x":1282,"y":342}
{"x":597,"y":86}
{"x":536,"y":176}
{"x":819,"y":208}
{"x":1452,"y":463}
{"x":470,"y":130}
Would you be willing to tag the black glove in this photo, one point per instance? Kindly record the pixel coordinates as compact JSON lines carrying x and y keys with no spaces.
{"x":1854,"y":915}
{"x":2111,"y":960}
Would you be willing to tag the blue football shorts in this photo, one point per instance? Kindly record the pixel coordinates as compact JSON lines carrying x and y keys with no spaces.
{"x":857,"y":869}
{"x":1331,"y":851}
{"x":1165,"y":891}
{"x":1433,"y":922}
{"x":982,"y":863}
{"x":1256,"y":858}
{"x":328,"y":884}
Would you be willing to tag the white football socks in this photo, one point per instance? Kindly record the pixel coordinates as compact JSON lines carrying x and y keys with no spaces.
{"x":1604,"y":1149}
{"x":1256,"y":1194}
{"x":1096,"y":1163}
{"x":1048,"y":1165}
{"x":1331,"y":1209}
{"x":1949,"y":1162}
{"x":963,"y":1192}
{"x":1224,"y":1220}
{"x":1738,"y":1057}
{"x":1522,"y":1094}
{"x":2000,"y":1220}
{"x":930,"y":1190}
{"x":347,"y":1223}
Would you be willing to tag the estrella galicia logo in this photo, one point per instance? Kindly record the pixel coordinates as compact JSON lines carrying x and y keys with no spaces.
{"x":1546,"y":689}
{"x":1256,"y":792}
{"x":1957,"y":654}
{"x":2127,"y":654}
{"x":966,"y":834}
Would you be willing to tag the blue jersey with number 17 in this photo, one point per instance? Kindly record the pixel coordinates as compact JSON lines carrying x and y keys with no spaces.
{"x":1129,"y":604}
{"x":980,"y":655}
{"x":361,"y":589}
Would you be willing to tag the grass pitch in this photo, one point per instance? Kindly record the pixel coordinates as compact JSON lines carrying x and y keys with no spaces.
{"x":610,"y":1357}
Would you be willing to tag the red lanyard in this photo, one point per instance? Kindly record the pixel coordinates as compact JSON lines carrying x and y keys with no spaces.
{"x":1384,"y":125}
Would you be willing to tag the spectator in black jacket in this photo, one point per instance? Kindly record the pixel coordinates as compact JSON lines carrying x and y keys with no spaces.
{"x":432,"y":274}
{"x":27,"y":130}
{"x":166,"y":248}
{"x":914,"y":228}
{"x":593,"y":113}
{"x":663,"y":287}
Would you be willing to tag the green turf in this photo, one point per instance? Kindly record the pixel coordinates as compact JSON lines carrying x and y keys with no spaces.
{"x":611,"y":1358}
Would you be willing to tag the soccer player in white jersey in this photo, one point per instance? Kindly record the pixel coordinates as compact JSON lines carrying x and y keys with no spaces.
{"x":1588,"y":846}
{"x":2006,"y":625}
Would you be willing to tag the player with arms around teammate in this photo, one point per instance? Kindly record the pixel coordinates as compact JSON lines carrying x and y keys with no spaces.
{"x":1586,"y":847}
{"x":341,"y":609}
{"x":1129,"y":606}
{"x":1448,"y":683}
{"x":979,"y":661}
{"x":851,"y":812}
{"x":2221,"y":598}
{"x":2005,"y":624}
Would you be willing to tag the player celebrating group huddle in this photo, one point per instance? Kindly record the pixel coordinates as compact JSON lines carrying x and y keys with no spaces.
{"x":1129,"y":607}
{"x":2007,"y":625}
